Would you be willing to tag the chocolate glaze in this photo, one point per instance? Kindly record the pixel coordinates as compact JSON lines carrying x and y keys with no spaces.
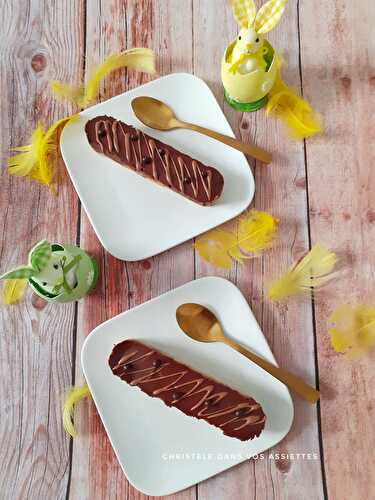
{"x":191,"y":392}
{"x":154,"y":159}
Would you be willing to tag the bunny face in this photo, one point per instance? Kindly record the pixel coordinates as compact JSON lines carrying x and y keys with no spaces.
{"x":248,"y":41}
{"x":248,"y":52}
{"x":54,"y":274}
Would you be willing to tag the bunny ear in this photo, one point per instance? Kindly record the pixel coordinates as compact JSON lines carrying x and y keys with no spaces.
{"x":269,"y":15}
{"x":23,"y":272}
{"x":40,"y":255}
{"x":244,"y":12}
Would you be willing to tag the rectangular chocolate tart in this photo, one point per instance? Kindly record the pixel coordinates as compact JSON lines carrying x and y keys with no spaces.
{"x":154,"y":160}
{"x":191,"y":392}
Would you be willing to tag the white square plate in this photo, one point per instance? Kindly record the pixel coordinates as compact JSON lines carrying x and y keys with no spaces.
{"x":135,"y":218}
{"x":160,"y":449}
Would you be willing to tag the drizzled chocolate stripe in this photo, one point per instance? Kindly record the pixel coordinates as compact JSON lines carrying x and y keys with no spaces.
{"x":191,"y":392}
{"x":154,"y":159}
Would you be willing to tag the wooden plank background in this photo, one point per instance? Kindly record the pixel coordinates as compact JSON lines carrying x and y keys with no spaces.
{"x":321,"y":190}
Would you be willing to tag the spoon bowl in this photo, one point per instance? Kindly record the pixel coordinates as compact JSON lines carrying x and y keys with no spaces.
{"x":201,"y":324}
{"x":154,"y":113}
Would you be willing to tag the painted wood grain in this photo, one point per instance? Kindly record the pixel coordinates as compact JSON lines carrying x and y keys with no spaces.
{"x":339,"y":78}
{"x":112,"y":26}
{"x":39,"y":40}
{"x":280,"y":190}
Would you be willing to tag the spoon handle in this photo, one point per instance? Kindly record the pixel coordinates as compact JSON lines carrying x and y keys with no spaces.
{"x":248,"y":149}
{"x":291,"y":381}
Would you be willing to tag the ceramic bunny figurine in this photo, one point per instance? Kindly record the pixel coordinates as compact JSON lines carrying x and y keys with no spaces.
{"x":57,"y":273}
{"x":249,"y":67}
{"x":251,"y":71}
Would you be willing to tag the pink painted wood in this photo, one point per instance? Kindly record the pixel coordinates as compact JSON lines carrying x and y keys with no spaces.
{"x":320,"y":190}
{"x":36,"y":340}
{"x":339,"y":77}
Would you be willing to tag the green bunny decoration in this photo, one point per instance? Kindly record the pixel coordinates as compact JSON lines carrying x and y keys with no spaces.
{"x":57,"y":273}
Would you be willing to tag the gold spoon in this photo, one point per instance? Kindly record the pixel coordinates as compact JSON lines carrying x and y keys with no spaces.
{"x":201,"y":324}
{"x":156,"y":114}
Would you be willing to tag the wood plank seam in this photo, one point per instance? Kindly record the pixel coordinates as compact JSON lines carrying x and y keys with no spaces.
{"x":313,"y":310}
{"x":78,"y":240}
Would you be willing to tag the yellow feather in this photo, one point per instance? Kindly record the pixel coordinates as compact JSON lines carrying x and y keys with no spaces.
{"x":214,"y":247}
{"x":74,"y":396}
{"x":140,"y":59}
{"x":36,"y":160}
{"x":63,"y":91}
{"x":13,"y":290}
{"x":311,"y":272}
{"x":254,"y":232}
{"x":353,"y":333}
{"x":23,"y":163}
{"x":296,"y":113}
